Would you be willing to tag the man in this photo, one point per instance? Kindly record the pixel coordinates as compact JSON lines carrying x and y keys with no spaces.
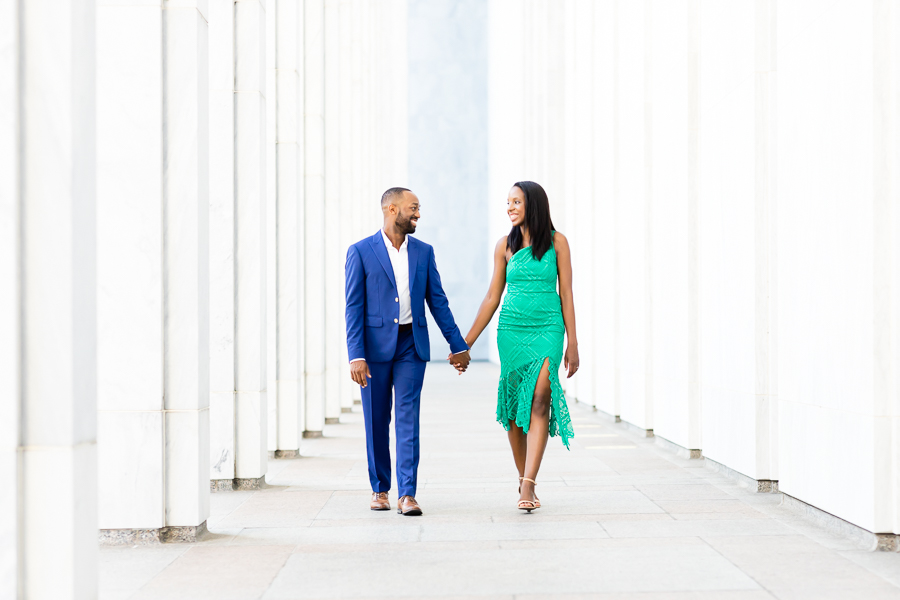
{"x":389,"y":278}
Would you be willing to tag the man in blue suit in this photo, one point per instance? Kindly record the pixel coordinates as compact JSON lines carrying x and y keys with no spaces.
{"x":389,"y":278}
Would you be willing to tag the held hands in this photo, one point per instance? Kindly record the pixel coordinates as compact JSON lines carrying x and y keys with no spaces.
{"x":460,"y":361}
{"x":359,"y":372}
{"x":571,"y":359}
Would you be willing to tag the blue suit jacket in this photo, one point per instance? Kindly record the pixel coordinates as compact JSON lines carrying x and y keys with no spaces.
{"x":372,"y":311}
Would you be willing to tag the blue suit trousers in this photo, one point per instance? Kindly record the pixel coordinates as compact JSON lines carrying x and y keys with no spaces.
{"x":403,"y":376}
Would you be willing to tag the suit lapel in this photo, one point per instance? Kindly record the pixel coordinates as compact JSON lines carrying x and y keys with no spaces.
{"x":412,"y":249}
{"x":383,"y":258}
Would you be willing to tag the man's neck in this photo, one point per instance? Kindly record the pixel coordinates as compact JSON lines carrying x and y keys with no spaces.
{"x":395,"y":236}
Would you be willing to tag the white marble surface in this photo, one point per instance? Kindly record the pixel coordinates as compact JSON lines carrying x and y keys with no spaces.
{"x":287,"y":400}
{"x":250,"y":377}
{"x":314,"y":209}
{"x":48,"y":277}
{"x":153,"y":266}
{"x":728,"y":238}
{"x":631,"y":223}
{"x":448,"y":151}
{"x":9,"y":289}
{"x":221,"y":239}
{"x":669,"y":221}
{"x":826,"y":292}
{"x":131,"y":469}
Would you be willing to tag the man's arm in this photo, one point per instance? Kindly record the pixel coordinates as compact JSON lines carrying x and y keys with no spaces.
{"x":355,"y":291}
{"x":440,"y":308}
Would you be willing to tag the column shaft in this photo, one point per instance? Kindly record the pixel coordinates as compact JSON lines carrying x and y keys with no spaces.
{"x":289,"y":228}
{"x":765,"y":244}
{"x":333,"y":250}
{"x":153,"y":271}
{"x":346,"y":185}
{"x":250,"y":243}
{"x":314,"y":216}
{"x":221,"y":243}
{"x":48,"y":278}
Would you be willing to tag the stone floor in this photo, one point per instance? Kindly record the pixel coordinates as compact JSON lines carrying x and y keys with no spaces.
{"x":622,"y":518}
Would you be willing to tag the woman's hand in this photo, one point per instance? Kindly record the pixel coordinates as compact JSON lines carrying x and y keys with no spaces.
{"x":571,"y":359}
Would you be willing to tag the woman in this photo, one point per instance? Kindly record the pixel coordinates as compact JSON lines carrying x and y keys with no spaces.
{"x":530,"y":401}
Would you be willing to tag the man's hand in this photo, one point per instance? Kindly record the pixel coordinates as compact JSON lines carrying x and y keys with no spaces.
{"x":359,"y":371}
{"x":460,"y":361}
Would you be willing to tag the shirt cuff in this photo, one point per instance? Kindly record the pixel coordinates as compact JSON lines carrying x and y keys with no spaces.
{"x":461,"y":351}
{"x":356,"y":360}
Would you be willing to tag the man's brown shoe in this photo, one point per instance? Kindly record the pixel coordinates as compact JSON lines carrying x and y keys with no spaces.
{"x":380,"y":501}
{"x":408,"y":506}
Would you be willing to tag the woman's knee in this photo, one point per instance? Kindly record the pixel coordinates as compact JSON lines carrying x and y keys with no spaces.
{"x":540,"y":406}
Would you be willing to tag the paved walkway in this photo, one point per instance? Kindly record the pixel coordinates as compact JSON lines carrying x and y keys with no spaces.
{"x":622,"y":519}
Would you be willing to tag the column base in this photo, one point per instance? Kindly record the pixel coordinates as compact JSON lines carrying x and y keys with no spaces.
{"x":149,"y":537}
{"x":678,"y":449}
{"x":312,"y":434}
{"x":762,"y":486}
{"x":286,"y":454}
{"x":346,"y":409}
{"x":250,"y":483}
{"x":767,"y":486}
{"x":332,"y":420}
{"x":221,"y":485}
{"x":887,"y":542}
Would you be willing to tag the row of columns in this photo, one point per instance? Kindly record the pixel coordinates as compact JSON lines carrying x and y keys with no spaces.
{"x":178,"y":186}
{"x":660,"y":130}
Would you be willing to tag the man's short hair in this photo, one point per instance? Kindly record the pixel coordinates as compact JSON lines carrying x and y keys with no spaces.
{"x":394,"y":192}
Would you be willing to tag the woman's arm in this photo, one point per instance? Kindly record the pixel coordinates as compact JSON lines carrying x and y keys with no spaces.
{"x":564,"y":267}
{"x":495,"y":292}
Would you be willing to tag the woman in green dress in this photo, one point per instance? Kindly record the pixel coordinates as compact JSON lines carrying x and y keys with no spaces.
{"x":528,"y":263}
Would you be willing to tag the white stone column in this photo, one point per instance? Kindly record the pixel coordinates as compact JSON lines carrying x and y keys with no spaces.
{"x":346,"y":185}
{"x":632,"y":203}
{"x":398,"y":17}
{"x":10,"y":439}
{"x":152,"y":272}
{"x":314,"y":216}
{"x":602,"y":274}
{"x":221,"y":243}
{"x":695,"y":404}
{"x":48,"y":546}
{"x":886,"y":270}
{"x":765,"y":248}
{"x":581,"y":204}
{"x":250,"y":244}
{"x":271,"y":237}
{"x":289,"y":228}
{"x":334,"y":252}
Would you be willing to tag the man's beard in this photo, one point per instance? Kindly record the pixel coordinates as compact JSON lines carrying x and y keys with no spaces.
{"x":405,"y":224}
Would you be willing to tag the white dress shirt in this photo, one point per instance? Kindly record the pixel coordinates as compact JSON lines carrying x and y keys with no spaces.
{"x":400,"y":262}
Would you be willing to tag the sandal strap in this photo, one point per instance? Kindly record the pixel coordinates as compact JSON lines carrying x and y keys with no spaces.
{"x":531,"y":480}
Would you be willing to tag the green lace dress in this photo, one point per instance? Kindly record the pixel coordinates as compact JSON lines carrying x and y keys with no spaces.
{"x":530,"y":331}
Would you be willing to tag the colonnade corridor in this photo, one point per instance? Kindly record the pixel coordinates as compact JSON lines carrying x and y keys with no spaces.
{"x":622,"y":517}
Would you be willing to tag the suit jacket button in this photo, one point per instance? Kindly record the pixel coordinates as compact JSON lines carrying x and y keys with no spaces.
{"x":396,"y":299}
{"x":396,"y":320}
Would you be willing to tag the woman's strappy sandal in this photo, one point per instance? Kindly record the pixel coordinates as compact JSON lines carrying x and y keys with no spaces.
{"x":537,"y":502}
{"x":528,"y":504}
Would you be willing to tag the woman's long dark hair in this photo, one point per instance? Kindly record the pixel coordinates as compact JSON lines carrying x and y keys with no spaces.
{"x":537,"y":221}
